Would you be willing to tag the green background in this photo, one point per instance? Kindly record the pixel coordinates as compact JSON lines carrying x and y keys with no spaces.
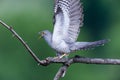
{"x":28,"y":17}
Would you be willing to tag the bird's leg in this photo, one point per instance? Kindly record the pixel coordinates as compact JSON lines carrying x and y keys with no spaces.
{"x":61,"y":56}
{"x":64,"y":55}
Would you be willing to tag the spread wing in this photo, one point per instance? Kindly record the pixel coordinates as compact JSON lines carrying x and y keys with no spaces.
{"x":68,"y":19}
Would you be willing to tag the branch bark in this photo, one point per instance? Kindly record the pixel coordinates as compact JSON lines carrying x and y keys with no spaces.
{"x":84,"y":60}
{"x":21,"y":40}
{"x":61,"y":72}
{"x":66,"y":62}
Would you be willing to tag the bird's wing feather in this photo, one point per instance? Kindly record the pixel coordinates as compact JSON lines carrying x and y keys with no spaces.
{"x":68,"y":19}
{"x":87,"y":45}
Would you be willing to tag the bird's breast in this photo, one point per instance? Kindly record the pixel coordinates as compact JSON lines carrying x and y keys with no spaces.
{"x":61,"y":47}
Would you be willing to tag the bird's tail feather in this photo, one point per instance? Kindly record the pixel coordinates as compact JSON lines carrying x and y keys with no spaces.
{"x":87,"y":45}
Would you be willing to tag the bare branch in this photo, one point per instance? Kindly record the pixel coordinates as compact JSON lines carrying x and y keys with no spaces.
{"x":21,"y":40}
{"x":97,"y":61}
{"x":85,"y":60}
{"x":61,"y":72}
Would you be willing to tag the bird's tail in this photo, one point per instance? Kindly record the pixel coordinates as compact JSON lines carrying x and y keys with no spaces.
{"x":87,"y":45}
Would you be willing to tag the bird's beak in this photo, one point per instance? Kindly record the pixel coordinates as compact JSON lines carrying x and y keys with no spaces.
{"x":41,"y":35}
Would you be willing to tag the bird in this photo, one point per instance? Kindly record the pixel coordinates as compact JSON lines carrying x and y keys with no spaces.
{"x":67,"y":21}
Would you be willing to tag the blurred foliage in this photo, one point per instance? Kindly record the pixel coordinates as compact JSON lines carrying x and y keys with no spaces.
{"x":28,"y":17}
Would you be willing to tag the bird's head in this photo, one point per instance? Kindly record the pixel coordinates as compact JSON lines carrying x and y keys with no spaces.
{"x":44,"y":33}
{"x":47,"y":36}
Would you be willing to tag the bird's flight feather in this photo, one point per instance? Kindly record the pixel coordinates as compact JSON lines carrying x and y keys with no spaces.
{"x":68,"y":18}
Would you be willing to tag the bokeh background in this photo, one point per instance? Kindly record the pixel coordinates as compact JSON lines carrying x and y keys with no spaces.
{"x":28,"y":17}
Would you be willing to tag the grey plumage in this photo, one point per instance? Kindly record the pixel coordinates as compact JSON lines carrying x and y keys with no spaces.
{"x":68,"y":18}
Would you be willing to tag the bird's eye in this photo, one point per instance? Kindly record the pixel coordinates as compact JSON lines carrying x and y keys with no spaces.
{"x":43,"y":33}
